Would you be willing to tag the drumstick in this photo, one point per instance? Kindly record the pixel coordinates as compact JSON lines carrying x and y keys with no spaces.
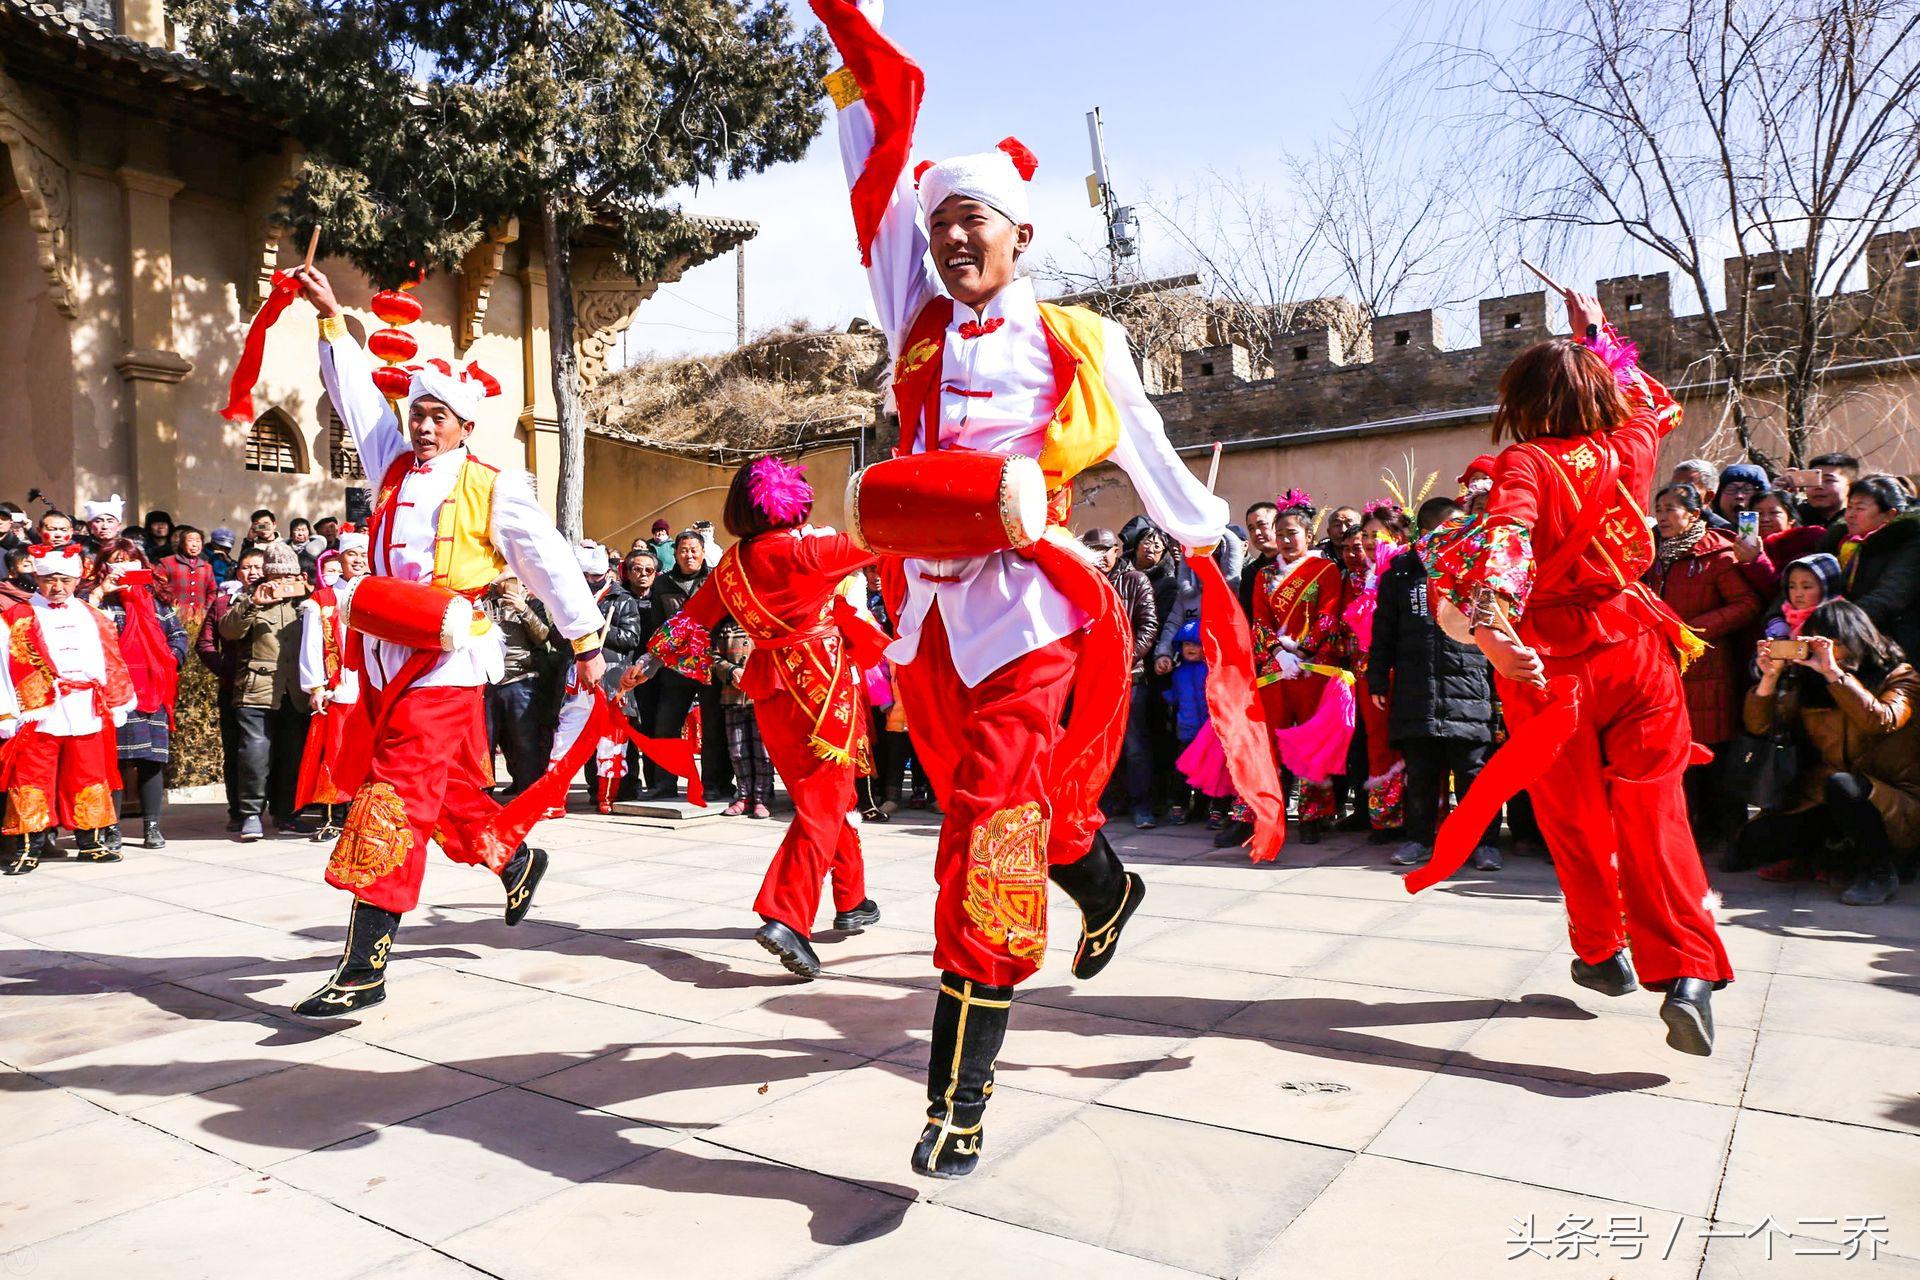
{"x":1213,"y":467}
{"x":1550,"y":282}
{"x":313,"y":243}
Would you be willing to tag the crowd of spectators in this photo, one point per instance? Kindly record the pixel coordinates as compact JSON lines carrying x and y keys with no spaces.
{"x":1805,"y":584}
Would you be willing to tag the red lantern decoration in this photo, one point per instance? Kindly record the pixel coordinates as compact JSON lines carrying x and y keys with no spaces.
{"x":395,"y":346}
{"x":393,"y":381}
{"x":396,"y":306}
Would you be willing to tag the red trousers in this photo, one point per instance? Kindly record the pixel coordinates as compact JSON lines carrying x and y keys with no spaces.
{"x":427,"y":779}
{"x":989,"y":752}
{"x":1386,"y":785}
{"x":820,"y":837}
{"x":53,"y":780}
{"x":1614,"y":815}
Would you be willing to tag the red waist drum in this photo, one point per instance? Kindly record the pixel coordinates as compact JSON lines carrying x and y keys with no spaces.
{"x":419,"y":615}
{"x":948,"y":504}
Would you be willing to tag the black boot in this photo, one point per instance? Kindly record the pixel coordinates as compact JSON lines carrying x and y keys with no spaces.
{"x":522,"y":877}
{"x":969,"y":1023}
{"x":794,"y":952}
{"x":1312,"y":832}
{"x":867,"y":913}
{"x":361,"y":979}
{"x":90,"y":845}
{"x":1613,"y":976}
{"x":1233,"y":833}
{"x":329,"y":829}
{"x":150,"y":834}
{"x":1688,"y":1013}
{"x":110,"y":836}
{"x":1107,"y":895}
{"x":17,"y":855}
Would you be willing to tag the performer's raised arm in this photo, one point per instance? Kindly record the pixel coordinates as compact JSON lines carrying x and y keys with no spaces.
{"x":378,"y":436}
{"x":541,"y":559}
{"x":877,"y":96}
{"x":1174,"y":497}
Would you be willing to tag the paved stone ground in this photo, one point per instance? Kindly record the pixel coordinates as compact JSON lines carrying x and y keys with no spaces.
{"x":1291,"y":1070}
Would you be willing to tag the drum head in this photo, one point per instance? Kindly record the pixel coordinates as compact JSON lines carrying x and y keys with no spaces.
{"x":1023,"y":501}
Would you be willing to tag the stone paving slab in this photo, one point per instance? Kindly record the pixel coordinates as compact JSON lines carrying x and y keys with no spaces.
{"x":1290,"y":1070}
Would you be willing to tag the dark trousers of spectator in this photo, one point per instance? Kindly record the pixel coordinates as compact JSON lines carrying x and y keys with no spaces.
{"x":1842,"y":837}
{"x":271,"y":740}
{"x":677,"y":697}
{"x":748,"y":753}
{"x":1430,"y":763}
{"x":1139,"y":750}
{"x":1712,"y":811}
{"x":230,"y":757}
{"x":513,"y":726}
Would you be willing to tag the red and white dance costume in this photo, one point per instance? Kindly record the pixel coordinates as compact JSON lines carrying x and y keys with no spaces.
{"x":993,"y":649}
{"x":1386,"y":784}
{"x":576,"y":704}
{"x":64,"y":689}
{"x":417,"y":758}
{"x":1560,"y":550}
{"x":1297,"y":627}
{"x":331,"y":685}
{"x":806,"y":681}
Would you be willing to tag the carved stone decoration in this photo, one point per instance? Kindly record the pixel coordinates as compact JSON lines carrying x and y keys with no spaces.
{"x":36,"y":148}
{"x":477,"y":272}
{"x":268,"y":179}
{"x":605,"y":300}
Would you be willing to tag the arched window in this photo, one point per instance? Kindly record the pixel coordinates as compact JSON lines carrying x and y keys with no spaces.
{"x":273,"y":444}
{"x":343,"y":460}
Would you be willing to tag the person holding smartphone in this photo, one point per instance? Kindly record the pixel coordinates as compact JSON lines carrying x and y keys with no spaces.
{"x":1845,"y":692}
{"x":270,"y":709}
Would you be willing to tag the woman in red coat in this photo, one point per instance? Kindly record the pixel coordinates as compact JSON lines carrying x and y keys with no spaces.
{"x":1699,"y":575}
{"x":1589,"y":663}
{"x":780,"y":583}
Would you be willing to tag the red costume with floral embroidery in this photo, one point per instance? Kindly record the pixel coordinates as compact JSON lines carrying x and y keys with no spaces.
{"x":804,"y":677}
{"x":1296,"y":623}
{"x":65,"y":688}
{"x":1561,"y":549}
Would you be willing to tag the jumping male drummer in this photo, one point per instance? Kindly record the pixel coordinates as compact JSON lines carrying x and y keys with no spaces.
{"x":445,"y":518}
{"x":993,"y":649}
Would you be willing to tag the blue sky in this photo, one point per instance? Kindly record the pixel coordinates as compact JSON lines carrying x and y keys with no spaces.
{"x":1183,"y":87}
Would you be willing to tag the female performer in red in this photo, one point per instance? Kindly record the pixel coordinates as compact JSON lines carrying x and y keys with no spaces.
{"x":1588,"y":663}
{"x":780,"y":583}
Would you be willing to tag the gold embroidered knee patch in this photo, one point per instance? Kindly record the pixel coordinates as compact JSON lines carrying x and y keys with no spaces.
{"x":375,"y":839}
{"x":1007,"y":880}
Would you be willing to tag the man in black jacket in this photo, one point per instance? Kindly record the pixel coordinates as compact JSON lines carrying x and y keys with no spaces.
{"x":1438,"y":695}
{"x":1137,"y":601}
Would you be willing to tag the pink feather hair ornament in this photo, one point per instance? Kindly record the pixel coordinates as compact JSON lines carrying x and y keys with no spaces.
{"x":1622,"y":357}
{"x":780,"y":490}
{"x":1295,"y":499}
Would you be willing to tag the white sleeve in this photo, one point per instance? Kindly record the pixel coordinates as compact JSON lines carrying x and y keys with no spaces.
{"x":1174,"y":498}
{"x":899,"y":276}
{"x":313,"y":648}
{"x":9,"y":701}
{"x":540,"y":557}
{"x":370,"y":419}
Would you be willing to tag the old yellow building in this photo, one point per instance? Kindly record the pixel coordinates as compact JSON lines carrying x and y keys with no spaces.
{"x":136,"y":241}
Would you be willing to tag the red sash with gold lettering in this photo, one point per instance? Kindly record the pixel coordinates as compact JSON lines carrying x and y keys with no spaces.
{"x":811,"y":664}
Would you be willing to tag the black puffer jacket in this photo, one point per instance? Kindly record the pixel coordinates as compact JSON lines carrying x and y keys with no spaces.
{"x":1439,"y":687}
{"x":1883,"y":577}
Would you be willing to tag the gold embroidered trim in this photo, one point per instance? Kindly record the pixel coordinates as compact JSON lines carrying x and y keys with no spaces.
{"x":1007,"y":880}
{"x":27,"y":811}
{"x":842,"y":88}
{"x":93,"y":807}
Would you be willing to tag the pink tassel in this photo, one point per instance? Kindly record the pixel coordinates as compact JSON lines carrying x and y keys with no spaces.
{"x":1317,"y":749}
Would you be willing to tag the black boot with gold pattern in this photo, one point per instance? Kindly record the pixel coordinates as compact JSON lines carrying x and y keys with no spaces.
{"x":969,"y":1023}
{"x":361,"y":979}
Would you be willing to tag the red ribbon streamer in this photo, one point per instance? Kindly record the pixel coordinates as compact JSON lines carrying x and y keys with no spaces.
{"x":1519,"y":763}
{"x":1234,"y":708}
{"x":247,"y":371}
{"x":891,"y":84}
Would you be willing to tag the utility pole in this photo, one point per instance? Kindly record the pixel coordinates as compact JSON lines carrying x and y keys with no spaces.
{"x":740,"y":294}
{"x":1123,"y":229}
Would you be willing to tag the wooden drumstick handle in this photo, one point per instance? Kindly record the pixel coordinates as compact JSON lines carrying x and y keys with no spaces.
{"x":313,"y":244}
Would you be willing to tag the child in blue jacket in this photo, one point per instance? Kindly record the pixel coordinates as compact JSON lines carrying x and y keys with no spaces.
{"x":1188,"y":694}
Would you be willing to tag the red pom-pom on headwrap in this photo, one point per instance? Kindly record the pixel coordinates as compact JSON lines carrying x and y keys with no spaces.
{"x":1024,"y":161}
{"x":919,"y":171}
{"x":780,"y":490}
